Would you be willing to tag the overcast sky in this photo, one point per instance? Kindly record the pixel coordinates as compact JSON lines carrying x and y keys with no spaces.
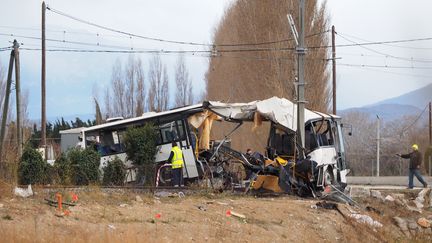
{"x":72,"y":77}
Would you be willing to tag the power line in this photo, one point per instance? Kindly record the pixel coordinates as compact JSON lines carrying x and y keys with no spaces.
{"x":395,"y":73}
{"x":362,"y":45}
{"x":415,"y":121}
{"x":169,"y":41}
{"x":382,"y":66}
{"x":398,"y":41}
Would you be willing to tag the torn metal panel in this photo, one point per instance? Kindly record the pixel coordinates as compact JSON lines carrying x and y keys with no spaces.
{"x":278,"y":110}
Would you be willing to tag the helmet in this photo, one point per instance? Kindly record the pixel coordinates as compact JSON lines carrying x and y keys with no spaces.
{"x":415,"y":147}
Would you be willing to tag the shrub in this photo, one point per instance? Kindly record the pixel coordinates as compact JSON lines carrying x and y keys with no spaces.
{"x":114,"y":173}
{"x":140,"y":149}
{"x":63,"y":169}
{"x":84,"y":166}
{"x":33,"y":169}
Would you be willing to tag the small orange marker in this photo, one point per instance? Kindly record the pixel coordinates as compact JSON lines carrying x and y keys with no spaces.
{"x":74,"y":197}
{"x":228,"y":213}
{"x":158,"y":216}
{"x":59,"y":201}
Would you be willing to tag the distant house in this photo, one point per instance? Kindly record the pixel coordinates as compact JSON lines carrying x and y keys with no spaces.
{"x":70,"y":138}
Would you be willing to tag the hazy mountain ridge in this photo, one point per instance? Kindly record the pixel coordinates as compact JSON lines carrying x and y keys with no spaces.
{"x":411,"y":103}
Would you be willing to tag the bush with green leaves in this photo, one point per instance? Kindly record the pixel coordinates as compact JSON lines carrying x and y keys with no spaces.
{"x":140,"y":145}
{"x":33,"y":169}
{"x":63,"y":170}
{"x":114,"y":173}
{"x":84,"y":166}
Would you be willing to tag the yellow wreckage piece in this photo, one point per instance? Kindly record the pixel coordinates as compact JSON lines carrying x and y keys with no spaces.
{"x":268,"y":182}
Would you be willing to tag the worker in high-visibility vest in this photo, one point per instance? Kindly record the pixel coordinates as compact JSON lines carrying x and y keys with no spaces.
{"x":176,"y":160}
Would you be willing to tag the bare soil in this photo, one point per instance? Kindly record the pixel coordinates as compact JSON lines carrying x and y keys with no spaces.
{"x":118,"y":216}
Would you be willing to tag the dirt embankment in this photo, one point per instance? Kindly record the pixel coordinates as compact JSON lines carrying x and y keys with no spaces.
{"x":130,"y":217}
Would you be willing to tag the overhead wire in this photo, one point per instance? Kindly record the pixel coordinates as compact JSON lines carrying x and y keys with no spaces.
{"x":395,"y":73}
{"x":415,"y":121}
{"x":170,"y":41}
{"x":382,"y":66}
{"x":362,"y":45}
{"x":388,"y":43}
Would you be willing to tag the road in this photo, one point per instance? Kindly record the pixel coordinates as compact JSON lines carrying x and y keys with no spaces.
{"x":385,"y":180}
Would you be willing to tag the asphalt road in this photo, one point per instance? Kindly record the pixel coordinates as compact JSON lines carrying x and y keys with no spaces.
{"x":386,"y":180}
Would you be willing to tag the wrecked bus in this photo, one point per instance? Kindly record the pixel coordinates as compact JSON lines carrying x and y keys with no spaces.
{"x":285,"y":166}
{"x":288,"y":166}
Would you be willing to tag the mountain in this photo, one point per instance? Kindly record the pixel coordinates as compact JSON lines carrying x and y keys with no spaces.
{"x":411,"y":103}
{"x":387,"y":112}
{"x":418,"y":98}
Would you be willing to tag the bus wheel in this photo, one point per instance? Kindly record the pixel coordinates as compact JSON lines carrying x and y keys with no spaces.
{"x":165,"y":176}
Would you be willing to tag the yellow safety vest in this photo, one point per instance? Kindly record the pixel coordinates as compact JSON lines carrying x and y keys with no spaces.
{"x":177,"y":160}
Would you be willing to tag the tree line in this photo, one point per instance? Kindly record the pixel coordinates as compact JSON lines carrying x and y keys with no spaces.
{"x":132,"y":91}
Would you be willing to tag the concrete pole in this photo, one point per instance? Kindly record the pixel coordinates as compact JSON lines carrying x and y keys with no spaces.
{"x":43,"y":115}
{"x":334,"y":68}
{"x":6,"y":104}
{"x":378,"y":146}
{"x":301,"y":52}
{"x":18,"y":98}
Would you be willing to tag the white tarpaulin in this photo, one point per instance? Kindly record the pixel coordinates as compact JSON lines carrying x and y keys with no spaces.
{"x":278,"y":110}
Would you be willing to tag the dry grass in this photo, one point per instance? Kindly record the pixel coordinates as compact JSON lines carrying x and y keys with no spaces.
{"x":115,"y":216}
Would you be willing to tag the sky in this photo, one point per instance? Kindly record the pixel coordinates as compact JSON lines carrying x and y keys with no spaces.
{"x":73,"y":78}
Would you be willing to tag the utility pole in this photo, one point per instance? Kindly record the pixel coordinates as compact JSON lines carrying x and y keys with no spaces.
{"x":43,"y":115}
{"x":334,"y":68}
{"x":430,"y":124}
{"x":6,"y":103}
{"x":430,"y":139}
{"x":301,"y":52}
{"x":378,"y":146}
{"x":18,"y":97}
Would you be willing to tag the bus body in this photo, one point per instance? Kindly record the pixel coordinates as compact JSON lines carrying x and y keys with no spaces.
{"x":323,"y":137}
{"x":108,"y":139}
{"x":324,"y":143}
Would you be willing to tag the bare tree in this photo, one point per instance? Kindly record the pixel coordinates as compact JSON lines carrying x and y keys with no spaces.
{"x":140,"y":90}
{"x":183,"y":84}
{"x":251,"y":75}
{"x":158,"y":96}
{"x":107,"y":103}
{"x":118,"y":88}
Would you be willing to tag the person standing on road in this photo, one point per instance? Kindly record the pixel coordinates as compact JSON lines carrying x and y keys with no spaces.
{"x":176,"y":160}
{"x":415,"y":158}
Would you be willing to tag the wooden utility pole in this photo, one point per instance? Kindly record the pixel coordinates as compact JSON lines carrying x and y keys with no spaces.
{"x":6,"y":103}
{"x":334,"y":68}
{"x":18,"y":97}
{"x":43,"y":115}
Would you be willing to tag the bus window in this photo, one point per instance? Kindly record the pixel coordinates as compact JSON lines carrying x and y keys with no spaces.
{"x":168,"y":133}
{"x":323,"y":133}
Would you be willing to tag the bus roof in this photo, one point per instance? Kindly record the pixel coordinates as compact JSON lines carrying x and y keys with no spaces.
{"x":146,"y":116}
{"x":278,"y":110}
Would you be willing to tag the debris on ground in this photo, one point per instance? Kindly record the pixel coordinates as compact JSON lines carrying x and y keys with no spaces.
{"x":23,"y":192}
{"x":238,"y":215}
{"x":365,"y":219}
{"x":138,"y":199}
{"x":389,"y":198}
{"x":376,"y":194}
{"x":201,"y":207}
{"x":424,"y":222}
{"x":420,"y":199}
